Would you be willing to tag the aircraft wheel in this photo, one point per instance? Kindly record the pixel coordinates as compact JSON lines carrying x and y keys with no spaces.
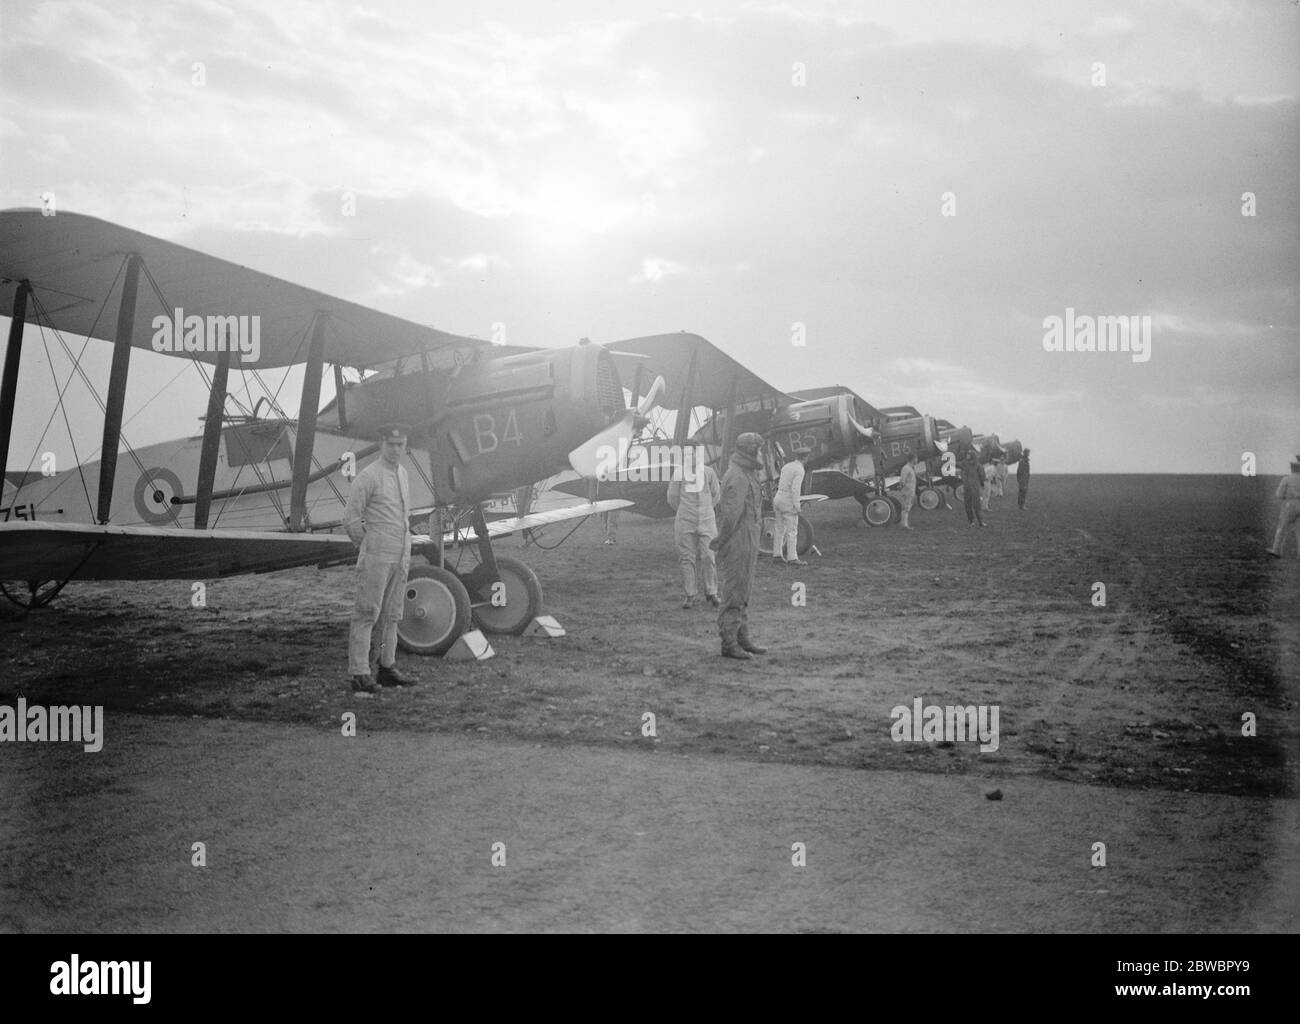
{"x":897,"y":505}
{"x":523,"y":598}
{"x":436,"y":613}
{"x":805,"y":540}
{"x":929,"y":499}
{"x":878,"y":512}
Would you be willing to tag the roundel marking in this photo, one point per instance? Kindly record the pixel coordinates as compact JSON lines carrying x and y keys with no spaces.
{"x":154,"y":491}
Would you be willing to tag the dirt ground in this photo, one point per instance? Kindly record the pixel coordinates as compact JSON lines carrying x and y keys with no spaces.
{"x":1119,"y":724}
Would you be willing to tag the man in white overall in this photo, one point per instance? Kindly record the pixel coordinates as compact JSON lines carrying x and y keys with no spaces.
{"x":907,"y":488}
{"x":1288,"y":491}
{"x":694,"y":497}
{"x":378,"y":521}
{"x":785,"y":504}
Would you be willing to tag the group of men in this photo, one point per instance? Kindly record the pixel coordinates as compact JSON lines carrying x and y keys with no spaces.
{"x":979,"y":483}
{"x":716,"y":531}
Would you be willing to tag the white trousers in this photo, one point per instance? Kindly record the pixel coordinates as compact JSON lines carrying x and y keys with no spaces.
{"x":785,"y":539}
{"x":1286,"y":519}
{"x":380,"y":604}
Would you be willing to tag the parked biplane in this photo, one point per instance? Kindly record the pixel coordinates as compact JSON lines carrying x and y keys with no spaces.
{"x":707,"y":398}
{"x":257,"y":493}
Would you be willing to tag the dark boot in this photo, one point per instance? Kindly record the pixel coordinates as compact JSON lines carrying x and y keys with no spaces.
{"x":390,"y":676}
{"x":730,"y":649}
{"x":746,"y":644}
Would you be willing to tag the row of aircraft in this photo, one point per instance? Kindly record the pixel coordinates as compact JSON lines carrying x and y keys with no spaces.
{"x":260,"y":490}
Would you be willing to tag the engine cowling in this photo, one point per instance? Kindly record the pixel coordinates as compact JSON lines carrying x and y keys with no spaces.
{"x":495,"y":424}
{"x":903,"y":436}
{"x":834,"y":427}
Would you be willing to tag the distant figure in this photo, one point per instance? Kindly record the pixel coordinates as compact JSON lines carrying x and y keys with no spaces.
{"x":1289,"y":493}
{"x":986,"y":485}
{"x":694,"y":528}
{"x":1022,"y":478}
{"x":972,"y":480}
{"x":608,"y":521}
{"x":907,"y":483}
{"x":785,"y":503}
{"x":739,"y":522}
{"x":1000,"y":478}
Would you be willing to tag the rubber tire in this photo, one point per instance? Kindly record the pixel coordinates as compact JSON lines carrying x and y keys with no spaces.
{"x":446,"y":601}
{"x":521,"y":582}
{"x":874,"y":512}
{"x":804,"y":543}
{"x":930,"y":495}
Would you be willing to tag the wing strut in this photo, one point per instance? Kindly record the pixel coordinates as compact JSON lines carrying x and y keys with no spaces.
{"x":13,"y":354}
{"x":338,"y":397}
{"x":117,"y":388}
{"x":729,"y":439}
{"x":211,"y":440}
{"x":307,"y":425}
{"x":682,"y":428}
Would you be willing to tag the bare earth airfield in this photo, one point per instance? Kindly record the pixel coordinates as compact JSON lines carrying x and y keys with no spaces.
{"x":1119,"y":725}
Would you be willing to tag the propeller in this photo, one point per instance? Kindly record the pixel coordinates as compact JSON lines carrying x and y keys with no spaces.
{"x":592,"y":457}
{"x":867,"y":432}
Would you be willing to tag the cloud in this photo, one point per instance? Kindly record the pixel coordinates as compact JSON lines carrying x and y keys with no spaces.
{"x":653,"y":270}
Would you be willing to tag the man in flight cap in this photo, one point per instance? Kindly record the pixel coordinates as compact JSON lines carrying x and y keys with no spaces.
{"x":378,"y":521}
{"x":739,"y":519}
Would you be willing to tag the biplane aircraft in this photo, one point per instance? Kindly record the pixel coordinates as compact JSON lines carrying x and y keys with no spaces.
{"x":859,"y":448}
{"x":988,"y":446}
{"x":260,"y":492}
{"x":706,"y":397}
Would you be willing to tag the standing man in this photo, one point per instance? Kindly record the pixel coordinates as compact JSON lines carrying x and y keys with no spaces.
{"x":1289,"y":492}
{"x":986,"y":492}
{"x":610,"y":522}
{"x":972,"y":480}
{"x":907,"y":481}
{"x":737,"y":545}
{"x":1000,"y":478}
{"x":378,"y":521}
{"x":694,"y":496}
{"x":1022,"y":478}
{"x":785,"y":503}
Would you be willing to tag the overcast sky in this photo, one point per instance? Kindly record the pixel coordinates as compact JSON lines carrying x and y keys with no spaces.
{"x":734,"y":169}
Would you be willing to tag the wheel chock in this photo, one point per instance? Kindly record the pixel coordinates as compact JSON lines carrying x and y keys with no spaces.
{"x":470,"y":646}
{"x":544,"y":626}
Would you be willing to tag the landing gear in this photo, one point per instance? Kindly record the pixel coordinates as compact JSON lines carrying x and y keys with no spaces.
{"x":878,"y":511}
{"x":504,"y":606}
{"x":39,"y":594}
{"x":437,"y":611}
{"x":929,"y":499}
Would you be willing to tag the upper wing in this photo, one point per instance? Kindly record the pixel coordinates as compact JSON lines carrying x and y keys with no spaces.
{"x":55,"y":551}
{"x":72,"y":262}
{"x":866,"y":411}
{"x":669,"y":356}
{"x":501,"y":527}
